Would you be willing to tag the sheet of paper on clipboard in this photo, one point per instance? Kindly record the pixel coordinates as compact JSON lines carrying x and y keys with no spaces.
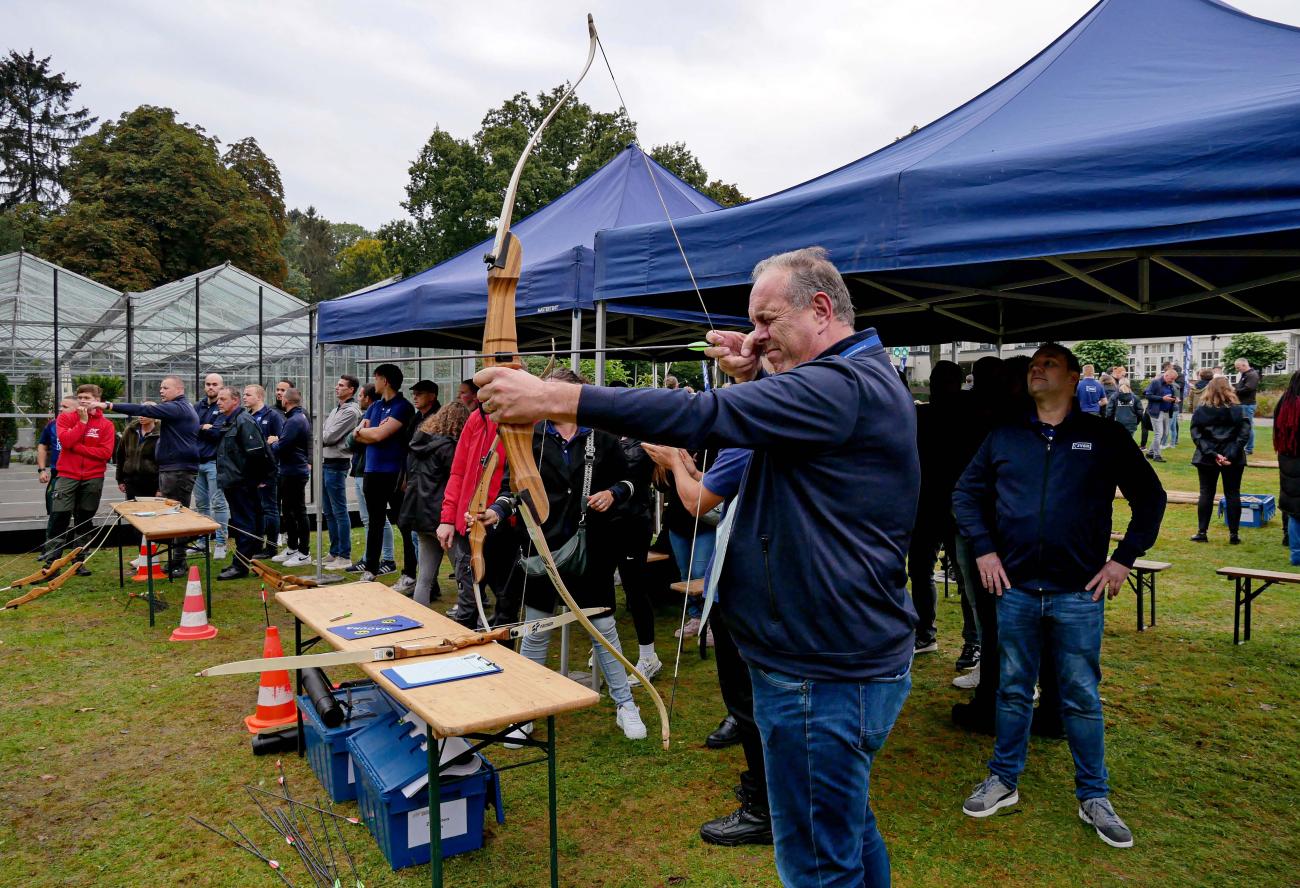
{"x":417,"y":675}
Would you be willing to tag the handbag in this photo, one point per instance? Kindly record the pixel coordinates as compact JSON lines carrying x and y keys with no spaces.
{"x":571,"y":558}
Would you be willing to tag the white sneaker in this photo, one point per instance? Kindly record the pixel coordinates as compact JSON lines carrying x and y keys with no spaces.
{"x":628,"y":718}
{"x":404,"y":584}
{"x":647,"y":667}
{"x":297,"y":559}
{"x":522,"y":732}
{"x":690,"y":630}
{"x":338,"y":563}
{"x":968,"y":681}
{"x":367,"y":577}
{"x":283,"y":556}
{"x":219,"y":553}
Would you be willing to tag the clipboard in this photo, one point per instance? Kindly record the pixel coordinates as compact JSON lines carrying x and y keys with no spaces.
{"x":418,"y":675}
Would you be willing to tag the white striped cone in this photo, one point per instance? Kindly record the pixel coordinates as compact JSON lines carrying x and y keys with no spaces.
{"x":275,"y":704}
{"x":194,"y":615}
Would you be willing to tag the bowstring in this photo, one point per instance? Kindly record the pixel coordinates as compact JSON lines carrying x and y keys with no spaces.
{"x":672,"y":226}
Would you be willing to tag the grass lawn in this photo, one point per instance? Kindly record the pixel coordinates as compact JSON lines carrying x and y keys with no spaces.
{"x":109,"y":742}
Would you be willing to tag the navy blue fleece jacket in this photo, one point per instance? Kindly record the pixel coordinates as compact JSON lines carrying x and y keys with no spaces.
{"x":178,"y":443}
{"x":814,"y":577}
{"x":1044,"y":506}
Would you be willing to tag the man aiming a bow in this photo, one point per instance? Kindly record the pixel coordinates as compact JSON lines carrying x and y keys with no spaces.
{"x":815,"y":568}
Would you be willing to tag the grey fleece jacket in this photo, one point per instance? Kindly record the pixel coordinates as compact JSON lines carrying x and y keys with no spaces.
{"x":343,"y":419}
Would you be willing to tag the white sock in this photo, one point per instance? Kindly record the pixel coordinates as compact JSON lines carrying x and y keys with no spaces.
{"x":645,"y":651}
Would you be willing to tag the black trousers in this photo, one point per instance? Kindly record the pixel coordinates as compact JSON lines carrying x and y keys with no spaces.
{"x":293,"y":500}
{"x":49,"y":503}
{"x":74,"y":504}
{"x":245,"y":501}
{"x":738,"y":695}
{"x":1209,"y":476}
{"x":633,"y":541}
{"x":383,"y":496}
{"x":177,"y":485}
{"x":269,"y":527}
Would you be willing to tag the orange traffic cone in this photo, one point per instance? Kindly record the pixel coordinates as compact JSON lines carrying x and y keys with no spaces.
{"x":275,"y":704}
{"x":194,"y":616}
{"x":142,"y":569}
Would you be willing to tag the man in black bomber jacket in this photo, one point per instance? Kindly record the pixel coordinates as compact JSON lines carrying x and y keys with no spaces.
{"x":1035,"y":503}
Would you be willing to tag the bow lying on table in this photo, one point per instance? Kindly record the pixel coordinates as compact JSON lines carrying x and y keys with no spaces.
{"x":501,"y":348}
{"x":402,"y":650}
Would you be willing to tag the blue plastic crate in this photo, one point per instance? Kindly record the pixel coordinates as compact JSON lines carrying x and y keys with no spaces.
{"x":1257,"y":509}
{"x":326,"y":747}
{"x":388,"y":759}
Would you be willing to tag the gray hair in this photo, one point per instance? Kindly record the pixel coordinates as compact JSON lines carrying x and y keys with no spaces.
{"x":180,"y":383}
{"x":810,"y":272}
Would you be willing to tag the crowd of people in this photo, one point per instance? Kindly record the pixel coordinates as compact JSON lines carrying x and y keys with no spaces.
{"x":805,"y":568}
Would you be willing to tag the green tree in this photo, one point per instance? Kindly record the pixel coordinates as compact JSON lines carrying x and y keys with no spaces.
{"x":34,"y":394}
{"x":22,"y":226}
{"x":1258,"y":349}
{"x":1102,"y":353}
{"x":346,"y":234}
{"x":37,"y":129}
{"x":315,"y":252}
{"x":110,"y":387}
{"x":262,"y":177}
{"x":682,"y":163}
{"x":157,"y":189}
{"x":8,"y":425}
{"x":361,"y":264}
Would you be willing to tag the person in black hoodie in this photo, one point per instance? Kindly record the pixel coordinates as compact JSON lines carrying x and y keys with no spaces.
{"x":823,"y":409}
{"x":428,"y":466}
{"x":1035,"y":503}
{"x":1220,"y":430}
{"x":1286,"y":441}
{"x":136,"y":458}
{"x":244,"y":462}
{"x":177,"y":451}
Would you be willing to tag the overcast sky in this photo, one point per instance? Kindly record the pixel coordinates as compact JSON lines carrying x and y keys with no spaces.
{"x":342,"y":94}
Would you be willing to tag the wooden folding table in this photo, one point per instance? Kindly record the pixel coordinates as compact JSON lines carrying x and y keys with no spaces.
{"x":156,"y":522}
{"x":482,"y":709}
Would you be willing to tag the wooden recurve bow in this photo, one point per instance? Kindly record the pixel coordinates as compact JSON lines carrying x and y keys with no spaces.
{"x":501,"y":346}
{"x":37,"y":592}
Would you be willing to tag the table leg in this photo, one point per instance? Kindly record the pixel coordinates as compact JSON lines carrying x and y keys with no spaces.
{"x":435,"y":810}
{"x":1152,"y":587}
{"x":1236,"y":610}
{"x":1139,"y":591}
{"x":1249,"y":598}
{"x":564,"y":650}
{"x":207,"y":559}
{"x":297,"y":674}
{"x":121,"y":572}
{"x":550,"y":778}
{"x":148,"y":557}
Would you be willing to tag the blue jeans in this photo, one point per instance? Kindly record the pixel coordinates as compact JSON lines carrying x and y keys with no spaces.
{"x":337,"y":519}
{"x":209,"y":500}
{"x":1249,"y":410}
{"x":681,"y":543}
{"x":387,"y":554}
{"x":820,"y":738}
{"x":1074,"y":623}
{"x":1293,"y":537}
{"x":534,"y":647}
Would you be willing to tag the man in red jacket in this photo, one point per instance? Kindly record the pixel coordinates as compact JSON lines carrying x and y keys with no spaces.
{"x":86,"y":441}
{"x":472,"y":450}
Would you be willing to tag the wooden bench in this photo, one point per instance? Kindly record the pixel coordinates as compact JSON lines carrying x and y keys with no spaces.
{"x":694,"y":587}
{"x":1143,"y":578}
{"x":1244,"y":593}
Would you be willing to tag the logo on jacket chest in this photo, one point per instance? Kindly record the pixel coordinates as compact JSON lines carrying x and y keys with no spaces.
{"x":1081,"y":445}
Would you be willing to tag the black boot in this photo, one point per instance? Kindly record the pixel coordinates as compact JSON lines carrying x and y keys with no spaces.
{"x":750,"y":824}
{"x":727,"y":734}
{"x":974,"y":718}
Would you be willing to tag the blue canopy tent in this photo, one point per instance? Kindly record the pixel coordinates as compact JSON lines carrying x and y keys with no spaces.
{"x":1140,"y":173}
{"x":446,"y":305}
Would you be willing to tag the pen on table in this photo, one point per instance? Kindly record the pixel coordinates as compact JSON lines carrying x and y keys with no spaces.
{"x":341,"y":617}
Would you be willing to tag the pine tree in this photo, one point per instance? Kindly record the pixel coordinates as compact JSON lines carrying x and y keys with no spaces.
{"x":37,"y":130}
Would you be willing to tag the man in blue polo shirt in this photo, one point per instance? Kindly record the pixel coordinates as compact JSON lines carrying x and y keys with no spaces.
{"x":1090,"y":392}
{"x":271,"y":423}
{"x":47,"y":460}
{"x":385,"y":431}
{"x":208,"y":498}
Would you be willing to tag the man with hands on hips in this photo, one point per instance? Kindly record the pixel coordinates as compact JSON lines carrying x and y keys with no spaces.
{"x":1035,"y":503}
